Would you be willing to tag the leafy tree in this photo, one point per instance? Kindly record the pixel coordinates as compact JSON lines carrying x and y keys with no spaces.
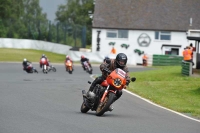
{"x":35,"y":21}
{"x":75,"y":13}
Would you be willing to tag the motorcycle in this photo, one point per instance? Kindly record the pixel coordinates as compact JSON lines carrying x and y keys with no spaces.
{"x":87,"y":67}
{"x":69,"y":66}
{"x":51,"y":68}
{"x":30,"y":69}
{"x":103,"y":94}
{"x":44,"y":63}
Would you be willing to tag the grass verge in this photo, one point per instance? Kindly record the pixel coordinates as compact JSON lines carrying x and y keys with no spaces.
{"x":7,"y":54}
{"x":167,"y":87}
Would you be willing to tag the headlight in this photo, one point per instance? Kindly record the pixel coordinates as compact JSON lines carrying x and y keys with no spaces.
{"x":117,"y":82}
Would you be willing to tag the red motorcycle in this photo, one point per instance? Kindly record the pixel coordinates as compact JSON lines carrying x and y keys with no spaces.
{"x":30,"y":69}
{"x":104,"y":94}
{"x":44,"y":63}
{"x":87,"y":67}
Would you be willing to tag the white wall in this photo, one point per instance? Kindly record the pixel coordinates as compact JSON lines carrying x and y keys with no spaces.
{"x":33,"y":44}
{"x":177,"y":38}
{"x":53,"y":47}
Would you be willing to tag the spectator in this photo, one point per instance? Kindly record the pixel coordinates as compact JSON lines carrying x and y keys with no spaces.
{"x":113,"y":50}
{"x":144,"y":60}
{"x":187,"y":55}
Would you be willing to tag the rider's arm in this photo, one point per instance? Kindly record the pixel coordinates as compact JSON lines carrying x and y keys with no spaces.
{"x":127,"y":75}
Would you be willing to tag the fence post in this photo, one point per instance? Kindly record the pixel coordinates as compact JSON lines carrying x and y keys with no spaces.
{"x":186,"y":68}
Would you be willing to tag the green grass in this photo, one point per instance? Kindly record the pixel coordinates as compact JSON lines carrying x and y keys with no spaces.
{"x":166,"y":86}
{"x":32,"y":55}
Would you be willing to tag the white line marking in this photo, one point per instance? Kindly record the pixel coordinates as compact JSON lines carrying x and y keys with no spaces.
{"x":161,"y":106}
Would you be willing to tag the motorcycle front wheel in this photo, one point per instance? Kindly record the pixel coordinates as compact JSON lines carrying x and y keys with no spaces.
{"x":84,"y":109}
{"x":103,"y":107}
{"x":54,"y":69}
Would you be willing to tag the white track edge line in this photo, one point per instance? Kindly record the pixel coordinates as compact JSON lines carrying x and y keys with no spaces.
{"x":161,"y":106}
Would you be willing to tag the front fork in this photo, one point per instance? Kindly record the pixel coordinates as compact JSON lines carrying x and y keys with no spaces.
{"x":106,"y":93}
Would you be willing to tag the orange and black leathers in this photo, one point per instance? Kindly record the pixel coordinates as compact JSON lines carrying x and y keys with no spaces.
{"x":111,"y":65}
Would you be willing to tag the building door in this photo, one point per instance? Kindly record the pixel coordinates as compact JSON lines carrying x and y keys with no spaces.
{"x":174,"y":51}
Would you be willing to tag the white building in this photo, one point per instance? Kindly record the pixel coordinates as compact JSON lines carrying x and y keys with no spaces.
{"x":152,"y":27}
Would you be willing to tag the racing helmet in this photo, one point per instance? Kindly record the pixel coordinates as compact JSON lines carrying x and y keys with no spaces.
{"x":82,"y":57}
{"x":121,"y":60}
{"x":25,"y":59}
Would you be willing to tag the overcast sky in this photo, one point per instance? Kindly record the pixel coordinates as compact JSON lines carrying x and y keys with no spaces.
{"x":50,"y":7}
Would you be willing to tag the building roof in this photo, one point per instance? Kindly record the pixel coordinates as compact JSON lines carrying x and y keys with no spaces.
{"x":172,"y":15}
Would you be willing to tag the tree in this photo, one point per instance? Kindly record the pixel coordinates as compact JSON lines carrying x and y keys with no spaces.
{"x":35,"y":20}
{"x":75,"y":12}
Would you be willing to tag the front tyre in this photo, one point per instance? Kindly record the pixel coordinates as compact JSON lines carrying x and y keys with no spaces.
{"x":54,"y":69}
{"x":103,"y":107}
{"x":84,"y":109}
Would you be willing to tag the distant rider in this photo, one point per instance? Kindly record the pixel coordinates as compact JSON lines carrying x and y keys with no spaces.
{"x":68,"y":58}
{"x":106,"y":58}
{"x":25,"y":64}
{"x":83,"y":59}
{"x":43,"y":56}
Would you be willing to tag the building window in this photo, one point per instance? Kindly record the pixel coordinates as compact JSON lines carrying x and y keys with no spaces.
{"x":162,"y":35}
{"x":117,"y":34}
{"x":112,"y":34}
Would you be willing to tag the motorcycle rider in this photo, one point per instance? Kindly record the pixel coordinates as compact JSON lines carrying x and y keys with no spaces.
{"x":25,"y":64}
{"x":43,"y":56}
{"x":83,"y":59}
{"x":111,"y":64}
{"x":106,"y":58}
{"x":68,"y":58}
{"x":48,"y":61}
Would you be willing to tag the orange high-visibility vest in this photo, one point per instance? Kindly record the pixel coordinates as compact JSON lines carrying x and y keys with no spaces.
{"x":113,"y":51}
{"x":187,"y":54}
{"x":144,"y":57}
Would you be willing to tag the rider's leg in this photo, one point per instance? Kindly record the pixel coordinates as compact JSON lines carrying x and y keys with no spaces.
{"x":98,"y":80}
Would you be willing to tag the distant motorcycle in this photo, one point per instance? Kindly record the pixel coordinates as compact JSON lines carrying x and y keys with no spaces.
{"x":30,"y":69}
{"x":69,"y":66}
{"x":104,"y":94}
{"x":87,"y":67}
{"x":44,"y":63}
{"x":51,"y":68}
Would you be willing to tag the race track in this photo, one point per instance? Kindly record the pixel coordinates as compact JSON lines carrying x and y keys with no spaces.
{"x":50,"y":103}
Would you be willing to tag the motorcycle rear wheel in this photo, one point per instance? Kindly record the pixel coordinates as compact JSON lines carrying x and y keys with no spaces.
{"x":84,"y":109}
{"x":101,"y":109}
{"x":90,"y":72}
{"x":54,"y":69}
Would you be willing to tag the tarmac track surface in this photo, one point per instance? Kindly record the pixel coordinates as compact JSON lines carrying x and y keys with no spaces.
{"x":50,"y":103}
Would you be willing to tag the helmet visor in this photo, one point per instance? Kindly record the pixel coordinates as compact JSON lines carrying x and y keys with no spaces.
{"x":121,"y":62}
